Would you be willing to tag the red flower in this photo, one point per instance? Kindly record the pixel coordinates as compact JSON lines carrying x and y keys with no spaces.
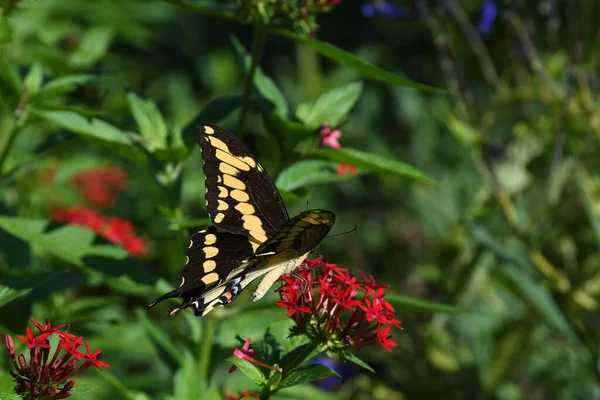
{"x":329,"y":309}
{"x":46,"y":377}
{"x":246,"y":353}
{"x":100,"y":186}
{"x":116,"y":230}
{"x":329,"y":137}
{"x":343,"y":169}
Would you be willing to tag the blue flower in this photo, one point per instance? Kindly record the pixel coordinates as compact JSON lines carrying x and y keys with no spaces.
{"x":489,"y":12}
{"x":381,"y":7}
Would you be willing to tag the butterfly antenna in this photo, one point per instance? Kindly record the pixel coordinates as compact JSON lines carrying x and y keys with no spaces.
{"x":343,"y":233}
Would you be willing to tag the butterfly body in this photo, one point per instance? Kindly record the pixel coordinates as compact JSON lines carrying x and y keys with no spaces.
{"x":252,"y":234}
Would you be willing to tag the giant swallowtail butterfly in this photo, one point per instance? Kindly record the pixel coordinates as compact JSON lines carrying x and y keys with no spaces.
{"x":252,"y":234}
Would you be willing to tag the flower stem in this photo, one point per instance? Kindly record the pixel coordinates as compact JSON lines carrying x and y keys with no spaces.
{"x":7,"y":147}
{"x":205,"y":351}
{"x":258,"y":46}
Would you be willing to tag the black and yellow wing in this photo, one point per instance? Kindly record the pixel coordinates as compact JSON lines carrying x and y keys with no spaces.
{"x":252,"y":234}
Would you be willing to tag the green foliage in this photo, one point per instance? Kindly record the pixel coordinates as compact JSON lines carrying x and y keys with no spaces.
{"x":476,"y":196}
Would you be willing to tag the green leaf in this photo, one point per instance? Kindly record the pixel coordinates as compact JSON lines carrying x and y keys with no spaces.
{"x":92,"y":48}
{"x":150,"y":122}
{"x":163,"y":343}
{"x":372,"y":162}
{"x":88,"y":128}
{"x":538,"y":297}
{"x":411,"y":304}
{"x":249,"y":369}
{"x":354,"y":359}
{"x":69,"y":243}
{"x":8,"y":294}
{"x":10,"y":75}
{"x":309,"y":173}
{"x":332,"y":107}
{"x":586,"y":188}
{"x":351,"y":61}
{"x":264,"y":84}
{"x":307,"y":374}
{"x":63,"y":85}
{"x":187,"y":384}
{"x":5,"y":30}
{"x":33,"y":80}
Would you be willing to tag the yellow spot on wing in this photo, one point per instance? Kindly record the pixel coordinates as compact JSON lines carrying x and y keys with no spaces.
{"x":245,"y":208}
{"x":253,"y":224}
{"x":210,"y":251}
{"x":219,"y":217}
{"x":223,"y":192}
{"x":250,"y":161}
{"x":209,"y":265}
{"x":240,"y":196}
{"x":219,"y":144}
{"x":210,"y":239}
{"x":228,"y":169}
{"x":208,"y":129}
{"x":233,"y":182}
{"x":232,"y":160}
{"x":210,"y":278}
{"x":222,"y":206}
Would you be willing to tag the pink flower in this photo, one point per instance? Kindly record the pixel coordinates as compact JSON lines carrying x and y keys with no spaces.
{"x":329,"y":137}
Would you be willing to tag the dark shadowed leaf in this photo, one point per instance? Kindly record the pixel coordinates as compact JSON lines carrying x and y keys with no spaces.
{"x":213,"y":112}
{"x":351,"y":61}
{"x":307,"y":374}
{"x":170,"y":354}
{"x":354,"y":359}
{"x":8,"y":294}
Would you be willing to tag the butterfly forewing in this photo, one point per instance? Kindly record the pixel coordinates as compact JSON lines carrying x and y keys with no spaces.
{"x":241,"y":198}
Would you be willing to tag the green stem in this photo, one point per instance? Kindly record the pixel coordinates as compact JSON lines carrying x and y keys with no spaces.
{"x":7,"y":147}
{"x":211,"y":11}
{"x":117,"y":385}
{"x":206,"y":349}
{"x":258,"y":46}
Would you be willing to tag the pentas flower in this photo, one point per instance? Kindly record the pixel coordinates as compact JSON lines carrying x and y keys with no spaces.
{"x":100,"y":186}
{"x":487,"y":20}
{"x":329,"y":137}
{"x":116,"y":230}
{"x":246,"y":353}
{"x":49,"y":378}
{"x":336,"y":308}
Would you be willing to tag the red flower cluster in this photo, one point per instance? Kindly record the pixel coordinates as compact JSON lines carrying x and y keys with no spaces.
{"x":116,"y":230}
{"x":331,"y":138}
{"x":326,"y":307}
{"x":48,"y":378}
{"x":100,"y":186}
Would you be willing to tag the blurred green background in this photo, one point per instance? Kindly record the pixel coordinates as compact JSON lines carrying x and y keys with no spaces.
{"x":509,"y":234}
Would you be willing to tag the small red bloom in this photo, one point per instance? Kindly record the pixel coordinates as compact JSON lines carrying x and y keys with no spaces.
{"x":32,"y":341}
{"x":329,"y":137}
{"x":343,"y":169}
{"x":246,"y":353}
{"x":328,"y":308}
{"x":49,"y":377}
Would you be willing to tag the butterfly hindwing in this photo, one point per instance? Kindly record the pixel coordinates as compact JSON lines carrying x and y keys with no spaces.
{"x":211,"y":256}
{"x":241,"y":197}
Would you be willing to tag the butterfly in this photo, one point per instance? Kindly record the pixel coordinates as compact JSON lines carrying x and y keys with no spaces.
{"x":251,"y":235}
